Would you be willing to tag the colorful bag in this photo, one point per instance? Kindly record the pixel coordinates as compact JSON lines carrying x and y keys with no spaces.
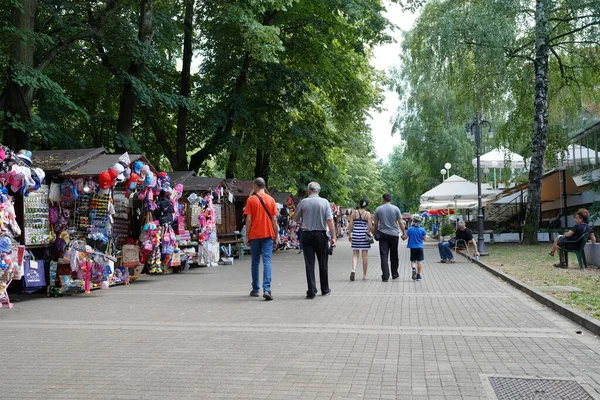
{"x":131,"y":256}
{"x":54,"y":212}
{"x":68,"y":192}
{"x":54,"y":193}
{"x":176,"y":259}
{"x":35,"y":275}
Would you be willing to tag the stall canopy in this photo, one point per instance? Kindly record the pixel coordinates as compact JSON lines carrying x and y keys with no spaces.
{"x":577,"y":155}
{"x":241,"y":188}
{"x":503,"y":158}
{"x":55,"y":162}
{"x":455,"y":192}
{"x":280,"y":197}
{"x":101,"y":162}
{"x":180,"y":176}
{"x":202,"y":184}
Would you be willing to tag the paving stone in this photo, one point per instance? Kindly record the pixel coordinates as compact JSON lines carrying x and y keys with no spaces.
{"x":200,"y":336}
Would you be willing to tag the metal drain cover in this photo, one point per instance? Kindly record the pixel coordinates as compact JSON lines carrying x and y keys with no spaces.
{"x":537,"y":389}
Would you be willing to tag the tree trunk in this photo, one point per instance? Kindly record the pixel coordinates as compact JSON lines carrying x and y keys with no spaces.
{"x":263,"y":165}
{"x":220,"y":138}
{"x":17,"y":103}
{"x":186,"y":80}
{"x":128,"y":98}
{"x":230,"y":172}
{"x":540,"y":123}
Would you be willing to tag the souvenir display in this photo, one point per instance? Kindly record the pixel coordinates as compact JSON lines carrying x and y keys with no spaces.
{"x":17,"y":177}
{"x":37,"y":228}
{"x":120,"y":217}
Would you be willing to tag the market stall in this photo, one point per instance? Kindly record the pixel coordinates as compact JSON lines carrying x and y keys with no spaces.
{"x":208,"y":234}
{"x":288,"y":228}
{"x":20,"y":188}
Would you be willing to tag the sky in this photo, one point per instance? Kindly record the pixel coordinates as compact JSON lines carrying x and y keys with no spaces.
{"x":386,"y":57}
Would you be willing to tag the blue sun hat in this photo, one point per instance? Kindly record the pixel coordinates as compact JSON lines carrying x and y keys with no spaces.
{"x":5,"y":245}
{"x":25,"y":156}
{"x":137,"y":166}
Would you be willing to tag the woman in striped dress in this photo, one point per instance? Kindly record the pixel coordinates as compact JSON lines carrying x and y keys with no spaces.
{"x":360,"y":223}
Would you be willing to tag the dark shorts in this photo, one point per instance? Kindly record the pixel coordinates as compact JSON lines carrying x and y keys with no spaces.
{"x":567,"y":246}
{"x":416,"y":255}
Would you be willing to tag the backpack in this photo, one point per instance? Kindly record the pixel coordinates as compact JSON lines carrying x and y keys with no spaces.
{"x":68,"y":192}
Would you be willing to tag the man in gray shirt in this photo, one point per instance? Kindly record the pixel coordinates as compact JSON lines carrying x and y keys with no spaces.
{"x":316,"y":216}
{"x":388,"y":224}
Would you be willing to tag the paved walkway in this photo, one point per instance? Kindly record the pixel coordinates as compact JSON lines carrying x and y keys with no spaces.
{"x":200,"y":336}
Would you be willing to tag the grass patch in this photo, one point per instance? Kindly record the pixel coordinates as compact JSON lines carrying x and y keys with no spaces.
{"x":532,"y":265}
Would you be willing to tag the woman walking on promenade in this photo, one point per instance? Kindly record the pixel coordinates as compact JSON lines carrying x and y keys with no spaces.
{"x":360,"y":224}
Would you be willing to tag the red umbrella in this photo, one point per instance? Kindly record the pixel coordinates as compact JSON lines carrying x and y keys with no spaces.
{"x":440,"y":212}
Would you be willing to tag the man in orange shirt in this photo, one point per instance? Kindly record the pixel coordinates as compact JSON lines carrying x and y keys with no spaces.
{"x":261,"y":232}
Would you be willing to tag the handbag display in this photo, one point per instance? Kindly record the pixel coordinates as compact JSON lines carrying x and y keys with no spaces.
{"x":34,"y":277}
{"x":131,"y":255}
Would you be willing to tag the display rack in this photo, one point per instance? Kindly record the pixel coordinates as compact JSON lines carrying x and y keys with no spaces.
{"x":37,"y":226}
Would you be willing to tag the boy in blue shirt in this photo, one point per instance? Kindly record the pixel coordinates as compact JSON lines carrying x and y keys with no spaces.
{"x":416,"y":237}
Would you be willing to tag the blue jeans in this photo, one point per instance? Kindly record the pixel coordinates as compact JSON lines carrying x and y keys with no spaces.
{"x":445,"y":251}
{"x":262,"y":247}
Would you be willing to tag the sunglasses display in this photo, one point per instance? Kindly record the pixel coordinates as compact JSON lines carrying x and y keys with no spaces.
{"x":37,"y":227}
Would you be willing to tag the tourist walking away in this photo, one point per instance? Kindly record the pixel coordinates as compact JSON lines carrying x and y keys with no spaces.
{"x":261,"y":233}
{"x":300,"y":237}
{"x":316,"y":216}
{"x":388,"y":224}
{"x":462,"y":238}
{"x":360,"y":227}
{"x":581,"y":227}
{"x":416,"y":237}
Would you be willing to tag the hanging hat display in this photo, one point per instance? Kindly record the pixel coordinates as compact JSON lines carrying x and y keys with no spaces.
{"x":25,"y":156}
{"x":5,"y":244}
{"x":105,"y":180}
{"x":120,"y":169}
{"x":137,"y":167}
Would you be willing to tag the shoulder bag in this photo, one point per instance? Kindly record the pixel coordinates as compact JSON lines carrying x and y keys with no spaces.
{"x":266,"y":210}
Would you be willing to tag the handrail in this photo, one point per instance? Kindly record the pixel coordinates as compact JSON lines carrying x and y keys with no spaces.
{"x":510,"y":205}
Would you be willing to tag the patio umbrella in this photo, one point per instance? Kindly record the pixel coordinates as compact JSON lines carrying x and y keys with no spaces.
{"x":577,"y":155}
{"x":455,"y":192}
{"x":503,"y":158}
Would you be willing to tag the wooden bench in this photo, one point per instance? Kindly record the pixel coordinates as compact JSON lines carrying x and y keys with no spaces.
{"x":579,"y":246}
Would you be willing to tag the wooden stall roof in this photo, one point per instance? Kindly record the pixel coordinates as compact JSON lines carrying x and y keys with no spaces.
{"x":101,"y":162}
{"x":240,"y":188}
{"x":58,"y":161}
{"x":202,"y":183}
{"x":180,"y":176}
{"x":280,"y":197}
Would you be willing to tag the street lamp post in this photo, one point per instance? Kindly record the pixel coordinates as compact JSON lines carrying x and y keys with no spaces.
{"x":474,"y":133}
{"x":443,"y":172}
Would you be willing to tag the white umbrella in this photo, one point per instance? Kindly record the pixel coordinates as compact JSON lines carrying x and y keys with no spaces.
{"x":443,"y":205}
{"x":457,"y":188}
{"x":577,"y":155}
{"x":500,"y":158}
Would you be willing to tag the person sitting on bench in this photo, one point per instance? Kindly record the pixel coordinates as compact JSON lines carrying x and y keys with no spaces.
{"x":581,"y":228}
{"x":463,"y":237}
